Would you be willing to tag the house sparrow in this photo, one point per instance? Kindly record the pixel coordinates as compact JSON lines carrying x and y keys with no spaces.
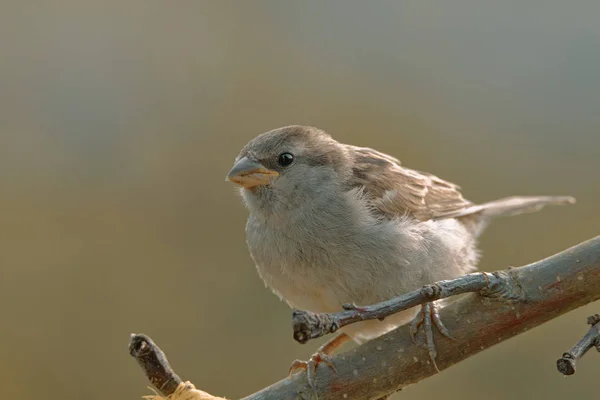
{"x":332,"y":223}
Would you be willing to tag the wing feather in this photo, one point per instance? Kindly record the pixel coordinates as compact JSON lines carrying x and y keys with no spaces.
{"x":394,"y":190}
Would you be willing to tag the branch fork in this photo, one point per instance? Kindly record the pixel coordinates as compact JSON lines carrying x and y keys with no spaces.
{"x":566,"y":364}
{"x":526,"y":297}
{"x":308,"y":325}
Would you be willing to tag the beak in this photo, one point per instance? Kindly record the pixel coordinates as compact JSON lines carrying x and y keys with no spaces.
{"x":248,"y":173}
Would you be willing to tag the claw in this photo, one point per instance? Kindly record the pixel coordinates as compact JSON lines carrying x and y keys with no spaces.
{"x":428,"y":317}
{"x":321,"y":356}
{"x":435,"y":315}
{"x":297,"y":365}
{"x":414,"y":326}
{"x":310,"y":367}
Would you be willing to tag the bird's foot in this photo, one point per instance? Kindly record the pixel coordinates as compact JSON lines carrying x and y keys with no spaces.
{"x":310,"y":367}
{"x":428,"y":317}
{"x":323,"y":355}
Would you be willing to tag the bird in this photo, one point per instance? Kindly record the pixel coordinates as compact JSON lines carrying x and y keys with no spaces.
{"x":332,"y":224}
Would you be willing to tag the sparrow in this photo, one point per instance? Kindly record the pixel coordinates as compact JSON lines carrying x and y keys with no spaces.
{"x":332,"y":224}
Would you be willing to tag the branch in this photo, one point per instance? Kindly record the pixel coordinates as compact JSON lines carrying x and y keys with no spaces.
{"x":309,"y":325}
{"x":518,"y":299}
{"x":566,"y":364}
{"x":158,"y":371}
{"x":154,"y":362}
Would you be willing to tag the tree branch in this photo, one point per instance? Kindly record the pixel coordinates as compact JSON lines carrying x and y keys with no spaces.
{"x":154,"y":363}
{"x":158,"y":371}
{"x":309,"y":325}
{"x":518,"y":299}
{"x":566,"y":364}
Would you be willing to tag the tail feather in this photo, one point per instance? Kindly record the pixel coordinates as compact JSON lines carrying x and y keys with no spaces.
{"x":510,"y":206}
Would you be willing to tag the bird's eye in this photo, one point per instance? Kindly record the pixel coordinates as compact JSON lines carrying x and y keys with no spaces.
{"x":285,"y":159}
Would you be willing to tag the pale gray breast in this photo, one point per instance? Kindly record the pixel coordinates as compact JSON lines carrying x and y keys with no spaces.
{"x":321,"y":260}
{"x":320,"y":268}
{"x":295,"y":269}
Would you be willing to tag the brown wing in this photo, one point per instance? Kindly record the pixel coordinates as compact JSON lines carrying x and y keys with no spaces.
{"x":394,"y":190}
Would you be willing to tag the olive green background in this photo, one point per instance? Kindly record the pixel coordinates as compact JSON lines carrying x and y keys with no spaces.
{"x":120,"y":119}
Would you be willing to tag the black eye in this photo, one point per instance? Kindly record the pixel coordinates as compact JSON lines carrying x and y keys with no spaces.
{"x":285,"y":159}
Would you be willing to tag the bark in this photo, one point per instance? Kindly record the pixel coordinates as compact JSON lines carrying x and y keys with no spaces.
{"x":566,"y":364}
{"x":514,"y":301}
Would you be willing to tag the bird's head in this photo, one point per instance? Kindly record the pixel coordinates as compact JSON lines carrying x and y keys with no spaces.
{"x":285,"y":167}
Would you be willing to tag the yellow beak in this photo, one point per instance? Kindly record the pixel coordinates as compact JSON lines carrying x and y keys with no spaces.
{"x":248,"y":173}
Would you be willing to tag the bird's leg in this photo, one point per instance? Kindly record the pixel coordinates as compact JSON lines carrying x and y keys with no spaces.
{"x":323,"y":355}
{"x":428,"y":317}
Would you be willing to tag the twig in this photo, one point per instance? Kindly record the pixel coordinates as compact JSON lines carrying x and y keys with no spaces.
{"x":154,"y":363}
{"x":566,"y":364}
{"x":531,"y":295}
{"x":309,"y":325}
{"x":528,"y":297}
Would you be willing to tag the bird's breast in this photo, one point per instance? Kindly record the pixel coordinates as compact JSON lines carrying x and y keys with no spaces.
{"x":296,"y":268}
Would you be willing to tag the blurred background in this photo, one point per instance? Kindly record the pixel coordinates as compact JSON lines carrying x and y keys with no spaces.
{"x":119,"y":121}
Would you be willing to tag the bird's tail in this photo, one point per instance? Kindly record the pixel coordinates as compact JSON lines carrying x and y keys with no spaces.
{"x":509,"y":206}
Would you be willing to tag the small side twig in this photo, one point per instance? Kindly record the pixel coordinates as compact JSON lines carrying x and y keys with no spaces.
{"x":566,"y":364}
{"x":156,"y":367}
{"x":154,"y":363}
{"x":309,"y":325}
{"x":536,"y":293}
